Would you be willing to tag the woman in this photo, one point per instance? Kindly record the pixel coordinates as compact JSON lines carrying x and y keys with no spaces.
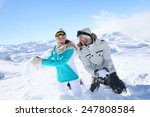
{"x":96,"y":58}
{"x":62,"y":58}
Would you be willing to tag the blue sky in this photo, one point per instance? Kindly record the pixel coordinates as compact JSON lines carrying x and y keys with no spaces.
{"x":36,"y":20}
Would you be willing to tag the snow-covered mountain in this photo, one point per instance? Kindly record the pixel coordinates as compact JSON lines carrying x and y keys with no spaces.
{"x":22,"y":52}
{"x":131,"y":59}
{"x":119,"y":42}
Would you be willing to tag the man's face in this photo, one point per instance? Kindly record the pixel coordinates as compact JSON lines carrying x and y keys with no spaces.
{"x":83,"y":40}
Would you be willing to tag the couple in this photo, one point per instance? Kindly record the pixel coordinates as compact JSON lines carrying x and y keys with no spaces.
{"x":95,"y":56}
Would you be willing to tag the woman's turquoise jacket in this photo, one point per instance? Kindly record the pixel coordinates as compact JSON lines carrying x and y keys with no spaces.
{"x":62,"y":62}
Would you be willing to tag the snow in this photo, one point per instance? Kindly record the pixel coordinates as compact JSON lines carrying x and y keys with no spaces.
{"x":2,"y":75}
{"x":20,"y":80}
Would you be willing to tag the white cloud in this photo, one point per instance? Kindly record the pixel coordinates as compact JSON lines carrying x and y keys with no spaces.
{"x":136,"y":26}
{"x":1,"y":3}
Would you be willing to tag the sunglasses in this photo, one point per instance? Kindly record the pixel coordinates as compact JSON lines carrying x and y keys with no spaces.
{"x":82,"y":33}
{"x":63,"y":37}
{"x":60,"y":33}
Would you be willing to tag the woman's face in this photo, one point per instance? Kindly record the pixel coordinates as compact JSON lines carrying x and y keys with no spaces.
{"x":61,"y":40}
{"x":84,"y":41}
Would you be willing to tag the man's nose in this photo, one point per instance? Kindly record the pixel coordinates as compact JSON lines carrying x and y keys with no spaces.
{"x":81,"y":39}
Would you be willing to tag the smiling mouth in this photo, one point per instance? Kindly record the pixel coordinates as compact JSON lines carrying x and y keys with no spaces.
{"x":62,"y":43}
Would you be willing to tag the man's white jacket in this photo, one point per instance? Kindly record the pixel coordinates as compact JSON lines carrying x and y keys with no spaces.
{"x":96,"y":56}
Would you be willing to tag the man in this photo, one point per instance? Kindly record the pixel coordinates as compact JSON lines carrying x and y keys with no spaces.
{"x":96,"y":58}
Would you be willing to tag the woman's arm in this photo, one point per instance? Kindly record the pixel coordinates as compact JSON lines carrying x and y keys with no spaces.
{"x":51,"y":55}
{"x":66,"y":55}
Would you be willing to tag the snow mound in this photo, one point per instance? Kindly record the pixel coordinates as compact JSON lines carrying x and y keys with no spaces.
{"x":2,"y":75}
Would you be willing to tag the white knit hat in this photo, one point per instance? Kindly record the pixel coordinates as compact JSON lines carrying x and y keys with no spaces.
{"x":60,"y":30}
{"x":86,"y":30}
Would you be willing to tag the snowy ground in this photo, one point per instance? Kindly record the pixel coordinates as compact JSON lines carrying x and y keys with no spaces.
{"x":131,"y":59}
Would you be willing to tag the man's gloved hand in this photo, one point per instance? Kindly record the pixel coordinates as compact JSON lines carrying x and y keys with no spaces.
{"x":102,"y":73}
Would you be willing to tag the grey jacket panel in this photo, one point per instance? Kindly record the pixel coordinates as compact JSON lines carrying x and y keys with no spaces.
{"x":96,"y":56}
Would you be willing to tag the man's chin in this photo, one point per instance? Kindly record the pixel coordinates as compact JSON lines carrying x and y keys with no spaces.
{"x":83,"y":43}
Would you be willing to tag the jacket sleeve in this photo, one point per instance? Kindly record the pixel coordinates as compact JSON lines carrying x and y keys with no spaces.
{"x":107,"y":57}
{"x":87,"y":65}
{"x":51,"y":55}
{"x":66,"y":55}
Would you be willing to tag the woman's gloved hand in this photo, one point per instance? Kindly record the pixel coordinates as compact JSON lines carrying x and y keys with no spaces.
{"x":36,"y":61}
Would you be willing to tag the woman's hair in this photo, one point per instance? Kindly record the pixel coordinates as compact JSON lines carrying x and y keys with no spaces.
{"x":71,"y":44}
{"x":94,"y":37}
{"x":67,"y":41}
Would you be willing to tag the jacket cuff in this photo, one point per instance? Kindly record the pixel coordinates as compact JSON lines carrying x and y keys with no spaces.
{"x":95,"y":72}
{"x":105,"y":68}
{"x":44,"y":62}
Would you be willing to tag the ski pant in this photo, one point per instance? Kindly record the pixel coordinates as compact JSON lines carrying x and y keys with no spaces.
{"x":113,"y":81}
{"x":75,"y":87}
